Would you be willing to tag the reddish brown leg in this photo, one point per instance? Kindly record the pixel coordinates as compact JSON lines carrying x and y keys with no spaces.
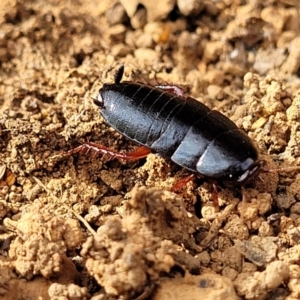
{"x":172,"y":89}
{"x":96,"y":150}
{"x":182,"y":182}
{"x":215,"y":194}
{"x":138,"y":153}
{"x":280,"y":170}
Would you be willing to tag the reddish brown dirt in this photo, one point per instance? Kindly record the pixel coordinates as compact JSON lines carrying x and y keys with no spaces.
{"x":74,"y":227}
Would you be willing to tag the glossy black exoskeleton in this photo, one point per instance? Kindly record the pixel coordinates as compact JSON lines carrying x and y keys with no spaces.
{"x":180,"y":128}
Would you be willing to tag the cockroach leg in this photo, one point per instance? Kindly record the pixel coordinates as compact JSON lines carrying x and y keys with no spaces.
{"x":171,"y":89}
{"x":244,"y":202}
{"x":182,"y":182}
{"x":138,"y":153}
{"x":97,"y":149}
{"x":281,"y":170}
{"x":215,"y":194}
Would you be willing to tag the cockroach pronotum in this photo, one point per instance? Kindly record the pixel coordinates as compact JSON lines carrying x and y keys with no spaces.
{"x":183,"y":129}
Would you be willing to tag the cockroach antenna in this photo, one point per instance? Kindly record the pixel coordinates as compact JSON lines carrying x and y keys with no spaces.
{"x":119,"y":74}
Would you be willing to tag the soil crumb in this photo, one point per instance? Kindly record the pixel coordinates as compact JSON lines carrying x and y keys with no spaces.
{"x":82,"y":227}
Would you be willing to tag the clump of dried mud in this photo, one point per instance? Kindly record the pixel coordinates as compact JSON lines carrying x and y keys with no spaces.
{"x":74,"y":227}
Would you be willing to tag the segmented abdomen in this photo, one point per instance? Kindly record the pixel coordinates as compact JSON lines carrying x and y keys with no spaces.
{"x":176,"y":127}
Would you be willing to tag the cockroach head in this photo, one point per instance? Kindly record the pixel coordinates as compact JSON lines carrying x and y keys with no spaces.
{"x":118,"y":77}
{"x":251,"y":172}
{"x":99,"y":100}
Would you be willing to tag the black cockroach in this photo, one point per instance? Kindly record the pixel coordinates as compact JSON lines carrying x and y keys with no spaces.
{"x":183,"y":129}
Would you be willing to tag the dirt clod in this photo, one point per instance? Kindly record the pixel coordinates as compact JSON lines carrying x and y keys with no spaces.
{"x":83,"y":227}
